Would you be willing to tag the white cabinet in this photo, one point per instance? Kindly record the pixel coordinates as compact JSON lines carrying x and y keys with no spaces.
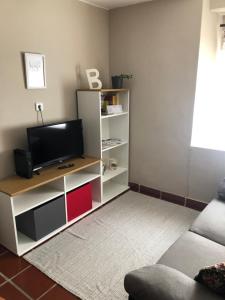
{"x":20,"y":195}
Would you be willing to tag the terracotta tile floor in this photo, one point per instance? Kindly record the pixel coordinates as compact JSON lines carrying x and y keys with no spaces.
{"x":21,"y":281}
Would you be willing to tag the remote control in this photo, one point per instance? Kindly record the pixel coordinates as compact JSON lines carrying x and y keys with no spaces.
{"x":66,"y":166}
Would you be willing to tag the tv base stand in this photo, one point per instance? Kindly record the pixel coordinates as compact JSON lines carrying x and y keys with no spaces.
{"x":19,"y":195}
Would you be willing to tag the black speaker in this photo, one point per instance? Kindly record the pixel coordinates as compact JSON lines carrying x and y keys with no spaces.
{"x":23,"y":163}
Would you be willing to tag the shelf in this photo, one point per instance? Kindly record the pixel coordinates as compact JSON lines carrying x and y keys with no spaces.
{"x":77,"y":179}
{"x":112,"y":189}
{"x":25,"y":243}
{"x":114,"y":115}
{"x":95,"y":205}
{"x":115,"y":146}
{"x":109,"y":174}
{"x":35,"y":198}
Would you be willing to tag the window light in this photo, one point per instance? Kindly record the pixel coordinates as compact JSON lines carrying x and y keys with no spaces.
{"x":208,"y":129}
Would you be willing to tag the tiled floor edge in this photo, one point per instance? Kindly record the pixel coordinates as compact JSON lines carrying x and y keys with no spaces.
{"x":173,"y":198}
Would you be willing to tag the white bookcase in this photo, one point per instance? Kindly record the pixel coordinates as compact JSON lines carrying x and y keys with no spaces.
{"x":98,"y":126}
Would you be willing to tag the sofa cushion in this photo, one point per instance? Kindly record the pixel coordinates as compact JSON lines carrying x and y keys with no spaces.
{"x":159,"y":282}
{"x":192,"y":252}
{"x":211,"y":222}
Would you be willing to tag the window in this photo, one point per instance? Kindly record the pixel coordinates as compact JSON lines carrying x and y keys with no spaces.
{"x":208,"y":129}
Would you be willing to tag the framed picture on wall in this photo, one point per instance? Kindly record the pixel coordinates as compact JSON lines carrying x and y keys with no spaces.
{"x":35,"y":70}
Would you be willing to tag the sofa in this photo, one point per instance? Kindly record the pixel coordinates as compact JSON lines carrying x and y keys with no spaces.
{"x":172,"y":278}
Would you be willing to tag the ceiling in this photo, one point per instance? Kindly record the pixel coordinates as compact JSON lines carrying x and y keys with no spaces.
{"x":110,"y":4}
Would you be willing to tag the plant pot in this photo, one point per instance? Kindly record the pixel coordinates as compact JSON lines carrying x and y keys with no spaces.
{"x":117,"y":82}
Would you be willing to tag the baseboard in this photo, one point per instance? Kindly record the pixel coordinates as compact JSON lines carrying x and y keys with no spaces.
{"x":173,"y":198}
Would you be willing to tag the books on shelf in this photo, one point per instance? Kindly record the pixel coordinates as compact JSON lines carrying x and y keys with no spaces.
{"x":109,"y":100}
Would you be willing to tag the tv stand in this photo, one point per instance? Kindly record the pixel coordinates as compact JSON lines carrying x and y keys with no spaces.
{"x":19,"y":195}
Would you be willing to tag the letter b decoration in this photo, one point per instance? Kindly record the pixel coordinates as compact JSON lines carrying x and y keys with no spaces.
{"x":93,"y":79}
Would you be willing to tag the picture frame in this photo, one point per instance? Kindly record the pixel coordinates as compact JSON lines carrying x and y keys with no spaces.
{"x":35,"y":68}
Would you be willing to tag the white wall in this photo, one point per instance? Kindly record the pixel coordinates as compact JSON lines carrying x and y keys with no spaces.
{"x":217,"y":5}
{"x":73,"y":36}
{"x":159,"y":43}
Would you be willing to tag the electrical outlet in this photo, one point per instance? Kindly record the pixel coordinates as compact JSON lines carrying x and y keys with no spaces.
{"x":39,"y":106}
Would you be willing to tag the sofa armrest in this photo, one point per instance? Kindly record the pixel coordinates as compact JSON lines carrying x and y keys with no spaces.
{"x":159,"y":282}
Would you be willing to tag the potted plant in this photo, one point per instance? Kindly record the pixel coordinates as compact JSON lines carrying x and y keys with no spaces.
{"x":117,"y":80}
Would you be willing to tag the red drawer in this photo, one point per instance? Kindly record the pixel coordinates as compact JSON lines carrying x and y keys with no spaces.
{"x":79,"y":201}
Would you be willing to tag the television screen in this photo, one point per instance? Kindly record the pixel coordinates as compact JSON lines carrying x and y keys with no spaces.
{"x":55,"y":142}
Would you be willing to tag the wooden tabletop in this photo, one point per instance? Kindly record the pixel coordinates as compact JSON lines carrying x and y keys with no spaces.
{"x":15,"y":185}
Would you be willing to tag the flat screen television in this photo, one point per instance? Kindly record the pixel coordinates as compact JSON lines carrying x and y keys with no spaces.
{"x":53,"y":143}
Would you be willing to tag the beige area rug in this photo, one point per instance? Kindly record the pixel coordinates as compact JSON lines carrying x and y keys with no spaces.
{"x":91,"y":258}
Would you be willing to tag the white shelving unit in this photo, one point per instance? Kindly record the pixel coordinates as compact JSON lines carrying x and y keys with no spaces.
{"x":19,"y":195}
{"x":98,"y":126}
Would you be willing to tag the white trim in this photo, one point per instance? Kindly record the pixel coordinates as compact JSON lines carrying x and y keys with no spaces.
{"x":93,"y":4}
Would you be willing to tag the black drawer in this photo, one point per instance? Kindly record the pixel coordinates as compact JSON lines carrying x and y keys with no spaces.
{"x":42,"y":220}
